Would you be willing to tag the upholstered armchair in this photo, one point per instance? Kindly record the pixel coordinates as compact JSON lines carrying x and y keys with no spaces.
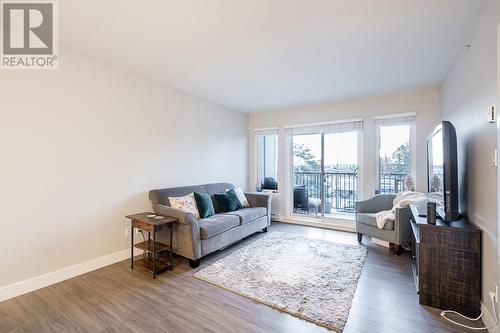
{"x":396,"y":232}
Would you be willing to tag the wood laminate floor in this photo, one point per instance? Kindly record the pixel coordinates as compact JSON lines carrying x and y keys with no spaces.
{"x":116,"y":299}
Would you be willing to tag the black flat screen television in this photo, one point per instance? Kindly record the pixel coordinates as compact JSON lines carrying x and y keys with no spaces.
{"x":442,"y":170}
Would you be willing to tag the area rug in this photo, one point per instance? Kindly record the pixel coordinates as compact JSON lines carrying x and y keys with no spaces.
{"x":309,"y":278}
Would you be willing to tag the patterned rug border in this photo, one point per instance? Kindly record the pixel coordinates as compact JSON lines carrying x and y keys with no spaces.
{"x":255,"y":299}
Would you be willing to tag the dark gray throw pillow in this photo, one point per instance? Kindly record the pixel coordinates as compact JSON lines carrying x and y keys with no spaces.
{"x":228,"y":201}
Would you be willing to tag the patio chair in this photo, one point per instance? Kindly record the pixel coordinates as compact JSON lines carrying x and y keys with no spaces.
{"x":301,"y":201}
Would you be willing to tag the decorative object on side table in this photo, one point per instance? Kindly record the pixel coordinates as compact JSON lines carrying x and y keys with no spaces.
{"x":151,"y":223}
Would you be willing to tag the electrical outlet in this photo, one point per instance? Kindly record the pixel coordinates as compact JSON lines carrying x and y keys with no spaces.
{"x":127,"y":230}
{"x":496,"y":292}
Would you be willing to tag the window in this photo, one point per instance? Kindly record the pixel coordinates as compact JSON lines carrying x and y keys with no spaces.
{"x":396,"y":151}
{"x":266,"y":142}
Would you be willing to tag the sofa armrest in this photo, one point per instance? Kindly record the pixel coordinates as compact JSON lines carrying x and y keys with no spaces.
{"x":186,"y":238}
{"x":375,"y":204}
{"x":182,"y":216}
{"x":259,"y":200}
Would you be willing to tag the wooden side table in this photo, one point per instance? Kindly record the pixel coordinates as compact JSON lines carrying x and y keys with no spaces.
{"x":152,"y":223}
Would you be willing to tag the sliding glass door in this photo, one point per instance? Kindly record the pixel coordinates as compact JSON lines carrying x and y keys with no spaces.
{"x":307,"y":174}
{"x":324,"y":174}
{"x":340,"y":173}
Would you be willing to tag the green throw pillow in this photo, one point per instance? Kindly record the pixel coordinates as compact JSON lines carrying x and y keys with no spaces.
{"x":234,"y":196}
{"x":228,"y":201}
{"x":205,"y":204}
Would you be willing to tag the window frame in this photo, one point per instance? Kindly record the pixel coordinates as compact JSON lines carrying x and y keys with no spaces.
{"x":397,"y":120}
{"x":260,"y":159}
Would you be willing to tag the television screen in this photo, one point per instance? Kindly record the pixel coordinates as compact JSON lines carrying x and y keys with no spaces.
{"x":442,"y":170}
{"x":435,"y":167}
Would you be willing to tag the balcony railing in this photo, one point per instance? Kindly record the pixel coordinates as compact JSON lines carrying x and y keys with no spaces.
{"x":392,"y":182}
{"x":340,"y":189}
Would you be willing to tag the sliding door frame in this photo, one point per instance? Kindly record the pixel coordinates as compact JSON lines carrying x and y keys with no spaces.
{"x":322,"y":221}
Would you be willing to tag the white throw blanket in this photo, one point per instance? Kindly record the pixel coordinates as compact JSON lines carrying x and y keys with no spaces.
{"x":402,"y":199}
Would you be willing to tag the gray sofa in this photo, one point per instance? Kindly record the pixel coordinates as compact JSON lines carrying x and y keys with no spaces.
{"x":396,"y":232}
{"x":193,"y":238}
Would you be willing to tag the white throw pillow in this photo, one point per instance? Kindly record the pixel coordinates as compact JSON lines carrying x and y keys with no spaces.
{"x":242,"y":197}
{"x":186,"y":203}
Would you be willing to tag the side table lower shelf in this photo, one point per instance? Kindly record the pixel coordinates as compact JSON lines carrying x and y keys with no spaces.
{"x":146,"y":264}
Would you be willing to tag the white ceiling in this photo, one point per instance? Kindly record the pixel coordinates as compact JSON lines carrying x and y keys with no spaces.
{"x":252,"y":55}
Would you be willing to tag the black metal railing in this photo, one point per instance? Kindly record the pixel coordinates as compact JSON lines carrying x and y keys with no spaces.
{"x":392,"y":182}
{"x":340,"y":188}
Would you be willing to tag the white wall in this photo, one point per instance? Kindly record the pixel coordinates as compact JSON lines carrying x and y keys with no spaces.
{"x":469,"y":88}
{"x":498,"y":170}
{"x":81,"y":147}
{"x":424,"y":102}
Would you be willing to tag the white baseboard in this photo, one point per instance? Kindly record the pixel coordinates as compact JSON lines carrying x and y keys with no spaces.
{"x":44,"y":280}
{"x":488,"y":319}
{"x":276,"y":218}
{"x":325,"y":225}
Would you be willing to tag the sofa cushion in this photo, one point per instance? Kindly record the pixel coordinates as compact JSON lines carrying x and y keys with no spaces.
{"x":217,"y":187}
{"x":371,"y":220}
{"x":217,"y":224}
{"x":249,"y":214}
